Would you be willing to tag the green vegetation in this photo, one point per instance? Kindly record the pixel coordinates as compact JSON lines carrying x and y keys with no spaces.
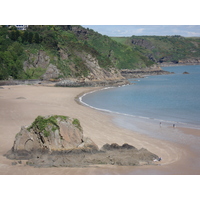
{"x":112,"y":52}
{"x":68,"y":48}
{"x":164,"y":48}
{"x":121,"y":40}
{"x":45,"y":125}
{"x":17,"y":47}
{"x":76,"y":123}
{"x":11,"y":55}
{"x":42,"y":124}
{"x":32,"y":73}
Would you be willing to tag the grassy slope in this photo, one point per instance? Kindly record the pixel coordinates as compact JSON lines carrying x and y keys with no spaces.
{"x":166,"y":48}
{"x":121,"y":40}
{"x":122,"y":56}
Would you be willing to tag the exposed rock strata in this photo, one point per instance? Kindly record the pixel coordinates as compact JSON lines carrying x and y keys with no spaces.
{"x":55,"y":141}
{"x":144,"y":43}
{"x":42,"y":60}
{"x":127,"y":73}
{"x":190,"y":61}
{"x":97,"y":73}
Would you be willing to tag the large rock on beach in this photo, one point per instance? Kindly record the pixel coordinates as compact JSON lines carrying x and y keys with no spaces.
{"x":50,"y":133}
{"x":58,"y":141}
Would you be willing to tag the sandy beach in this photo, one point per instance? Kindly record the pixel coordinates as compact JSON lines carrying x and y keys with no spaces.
{"x":21,"y":104}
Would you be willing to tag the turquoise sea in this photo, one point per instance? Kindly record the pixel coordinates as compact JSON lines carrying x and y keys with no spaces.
{"x":171,"y":98}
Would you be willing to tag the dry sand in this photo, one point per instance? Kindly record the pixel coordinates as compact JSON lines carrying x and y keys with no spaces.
{"x":20,"y":105}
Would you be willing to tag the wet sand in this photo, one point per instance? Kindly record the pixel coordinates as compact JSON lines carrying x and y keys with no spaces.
{"x":20,"y":105}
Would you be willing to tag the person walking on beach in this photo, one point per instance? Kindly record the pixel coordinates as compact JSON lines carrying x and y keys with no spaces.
{"x":174,"y":125}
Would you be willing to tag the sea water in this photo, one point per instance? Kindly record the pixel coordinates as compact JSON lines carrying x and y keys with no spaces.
{"x":174,"y":97}
{"x":162,"y":100}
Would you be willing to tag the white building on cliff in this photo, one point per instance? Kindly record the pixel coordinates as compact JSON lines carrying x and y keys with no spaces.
{"x":21,"y":27}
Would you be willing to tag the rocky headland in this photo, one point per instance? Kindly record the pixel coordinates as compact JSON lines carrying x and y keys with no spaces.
{"x":58,"y":141}
{"x":189,"y":61}
{"x":140,"y":73}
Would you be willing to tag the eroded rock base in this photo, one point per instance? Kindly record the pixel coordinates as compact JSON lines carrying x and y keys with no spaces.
{"x":125,"y":155}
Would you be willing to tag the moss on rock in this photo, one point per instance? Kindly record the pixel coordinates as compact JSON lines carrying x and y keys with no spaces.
{"x":77,"y":124}
{"x":41,"y":124}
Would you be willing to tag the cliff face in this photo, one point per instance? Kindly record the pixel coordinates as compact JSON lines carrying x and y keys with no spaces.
{"x":95,"y":71}
{"x":49,"y":68}
{"x":41,"y":63}
{"x":142,"y":42}
{"x":71,"y":57}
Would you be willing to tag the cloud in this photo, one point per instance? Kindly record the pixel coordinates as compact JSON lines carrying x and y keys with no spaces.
{"x":188,"y":33}
{"x":139,"y":31}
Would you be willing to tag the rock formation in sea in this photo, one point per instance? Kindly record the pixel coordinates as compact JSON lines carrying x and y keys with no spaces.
{"x":55,"y":140}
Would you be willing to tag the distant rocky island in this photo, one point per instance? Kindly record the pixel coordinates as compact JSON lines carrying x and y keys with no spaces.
{"x":58,"y":141}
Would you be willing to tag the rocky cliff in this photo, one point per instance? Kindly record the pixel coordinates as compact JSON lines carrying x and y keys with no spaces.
{"x":41,"y":62}
{"x":48,"y":67}
{"x":54,"y":141}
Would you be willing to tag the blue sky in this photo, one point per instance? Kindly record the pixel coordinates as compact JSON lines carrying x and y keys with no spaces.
{"x":129,"y":30}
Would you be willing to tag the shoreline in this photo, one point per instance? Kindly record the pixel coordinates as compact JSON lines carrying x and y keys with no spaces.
{"x":45,"y":100}
{"x":183,"y":128}
{"x":181,"y":125}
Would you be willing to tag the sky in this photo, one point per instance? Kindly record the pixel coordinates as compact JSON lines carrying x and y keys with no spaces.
{"x":162,"y":30}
